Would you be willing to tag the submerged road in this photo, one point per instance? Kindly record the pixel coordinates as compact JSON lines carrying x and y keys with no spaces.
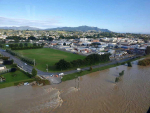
{"x":29,"y":68}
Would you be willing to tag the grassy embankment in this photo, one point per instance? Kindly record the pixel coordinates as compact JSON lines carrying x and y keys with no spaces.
{"x":74,"y":75}
{"x":48,"y":56}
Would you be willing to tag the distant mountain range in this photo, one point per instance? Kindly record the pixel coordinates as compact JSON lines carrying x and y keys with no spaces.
{"x":80,"y":28}
{"x":21,"y":28}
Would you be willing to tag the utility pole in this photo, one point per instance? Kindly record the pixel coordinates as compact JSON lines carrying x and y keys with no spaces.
{"x":75,"y":81}
{"x":34,"y":62}
{"x":47,"y":67}
{"x":78,"y":83}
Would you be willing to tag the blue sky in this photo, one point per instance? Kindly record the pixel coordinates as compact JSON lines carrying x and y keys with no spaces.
{"x":115,"y":15}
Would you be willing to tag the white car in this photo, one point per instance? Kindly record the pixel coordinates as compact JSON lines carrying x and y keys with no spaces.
{"x":78,"y":69}
{"x":51,"y":75}
{"x":25,"y":64}
{"x":61,"y":74}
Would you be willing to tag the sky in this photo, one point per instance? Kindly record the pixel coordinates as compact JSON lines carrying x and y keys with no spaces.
{"x":116,"y":15}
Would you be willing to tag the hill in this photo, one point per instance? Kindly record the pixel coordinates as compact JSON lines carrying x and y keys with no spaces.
{"x":21,"y":28}
{"x":80,"y":28}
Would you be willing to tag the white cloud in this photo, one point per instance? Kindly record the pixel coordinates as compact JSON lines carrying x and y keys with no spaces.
{"x":50,"y":23}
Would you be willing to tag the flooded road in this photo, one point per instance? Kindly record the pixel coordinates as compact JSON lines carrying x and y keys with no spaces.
{"x":97,"y":93}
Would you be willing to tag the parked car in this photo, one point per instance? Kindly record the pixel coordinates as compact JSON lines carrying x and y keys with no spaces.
{"x":78,"y":69}
{"x":25,"y":64}
{"x":52,"y":75}
{"x":61,"y":74}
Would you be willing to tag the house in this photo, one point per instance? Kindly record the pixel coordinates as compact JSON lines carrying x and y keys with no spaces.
{"x":1,"y":61}
{"x":2,"y":67}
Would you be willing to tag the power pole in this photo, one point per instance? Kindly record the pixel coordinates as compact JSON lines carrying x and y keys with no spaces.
{"x":78,"y":83}
{"x":34,"y":62}
{"x":47,"y":67}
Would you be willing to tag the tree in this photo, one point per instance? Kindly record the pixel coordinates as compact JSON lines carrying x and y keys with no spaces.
{"x":50,"y":39}
{"x":26,"y":44}
{"x":13,"y":69}
{"x":64,"y":44}
{"x":62,"y":64}
{"x":34,"y":72}
{"x":129,"y":64}
{"x":34,"y":44}
{"x":21,"y":45}
{"x":31,"y":38}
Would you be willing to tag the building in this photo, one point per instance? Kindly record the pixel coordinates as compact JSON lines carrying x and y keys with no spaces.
{"x":2,"y":67}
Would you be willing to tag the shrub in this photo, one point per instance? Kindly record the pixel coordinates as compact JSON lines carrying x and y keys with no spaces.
{"x":13,"y":69}
{"x":14,"y":65}
{"x":117,"y":79}
{"x":121,"y":73}
{"x":144,"y":62}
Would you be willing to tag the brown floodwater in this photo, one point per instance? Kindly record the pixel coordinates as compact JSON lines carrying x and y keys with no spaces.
{"x":96,"y":93}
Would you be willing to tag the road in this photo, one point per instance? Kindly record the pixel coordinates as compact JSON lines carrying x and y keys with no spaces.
{"x":28,"y":68}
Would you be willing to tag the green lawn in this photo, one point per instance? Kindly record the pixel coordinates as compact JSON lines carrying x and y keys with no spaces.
{"x":11,"y":80}
{"x":48,"y":56}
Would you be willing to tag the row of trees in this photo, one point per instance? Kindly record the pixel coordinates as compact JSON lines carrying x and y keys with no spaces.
{"x":31,"y":47}
{"x":30,"y":61}
{"x":89,"y":60}
{"x":22,"y":46}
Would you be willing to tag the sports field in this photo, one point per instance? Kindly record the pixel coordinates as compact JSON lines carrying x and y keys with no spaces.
{"x":48,"y":56}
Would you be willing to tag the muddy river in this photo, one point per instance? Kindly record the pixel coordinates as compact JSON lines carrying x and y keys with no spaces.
{"x":93,"y":93}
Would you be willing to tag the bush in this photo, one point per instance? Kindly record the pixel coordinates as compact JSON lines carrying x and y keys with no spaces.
{"x":13,"y":69}
{"x":117,"y":79}
{"x":121,"y":73}
{"x":14,"y":65}
{"x":144,"y":62}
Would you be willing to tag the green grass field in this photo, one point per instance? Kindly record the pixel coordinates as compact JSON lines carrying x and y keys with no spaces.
{"x":48,"y":56}
{"x":11,"y":80}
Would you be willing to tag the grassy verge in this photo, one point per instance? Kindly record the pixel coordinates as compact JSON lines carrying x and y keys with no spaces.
{"x":74,"y":75}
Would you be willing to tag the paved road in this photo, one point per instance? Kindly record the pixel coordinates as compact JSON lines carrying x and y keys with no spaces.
{"x":28,"y":68}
